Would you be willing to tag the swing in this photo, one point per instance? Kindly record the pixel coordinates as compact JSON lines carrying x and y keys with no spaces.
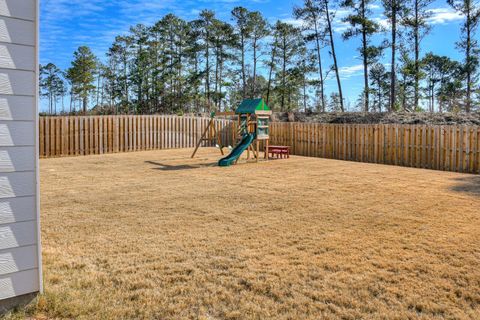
{"x":215,"y":137}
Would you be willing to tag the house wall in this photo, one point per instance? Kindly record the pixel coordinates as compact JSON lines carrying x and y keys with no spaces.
{"x":20,"y":258}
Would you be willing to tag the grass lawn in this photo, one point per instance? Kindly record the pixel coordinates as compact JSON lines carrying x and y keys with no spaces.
{"x":158,"y":235}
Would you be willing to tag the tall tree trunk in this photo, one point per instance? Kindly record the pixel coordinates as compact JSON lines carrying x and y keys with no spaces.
{"x":320,"y":71}
{"x":334,"y":56}
{"x":284,"y":71}
{"x":216,"y":78}
{"x":394,"y":44}
{"x":244,"y":81}
{"x":433,"y":94}
{"x":220,"y":69}
{"x":171,"y":76}
{"x":156,"y":79}
{"x":102,"y":93}
{"x":179,"y":76}
{"x":254,"y":67}
{"x":207,"y":81}
{"x":98,"y":89}
{"x":71,"y":100}
{"x":365,"y":60}
{"x":304,"y":90}
{"x":379,"y":97}
{"x":85,"y":104}
{"x":417,"y":56}
{"x":271,"y":70}
{"x":468,"y":57}
{"x":125,"y":74}
{"x":196,"y":102}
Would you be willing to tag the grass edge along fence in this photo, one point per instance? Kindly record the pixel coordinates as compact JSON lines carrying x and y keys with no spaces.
{"x":449,"y":148}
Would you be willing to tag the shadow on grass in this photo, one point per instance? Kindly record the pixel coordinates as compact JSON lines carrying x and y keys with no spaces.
{"x":168,"y":167}
{"x":470,"y":184}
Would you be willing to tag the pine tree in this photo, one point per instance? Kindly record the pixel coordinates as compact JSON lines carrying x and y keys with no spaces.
{"x":204,"y":25}
{"x":193,"y":56}
{"x":406,"y":81}
{"x":416,"y":22}
{"x":259,"y":30}
{"x":82,"y":74}
{"x":329,"y":18}
{"x":443,"y":76}
{"x":468,"y":43}
{"x":379,"y":86}
{"x":243,"y":30}
{"x":311,"y":14}
{"x":271,"y":63}
{"x":362,"y":25}
{"x":394,"y":10}
{"x":119,"y":56}
{"x":223,"y":39}
{"x":139,"y":66}
{"x":289,"y":43}
{"x":52,"y":85}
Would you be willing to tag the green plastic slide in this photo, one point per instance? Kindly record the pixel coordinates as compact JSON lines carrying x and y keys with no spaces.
{"x":237,"y":151}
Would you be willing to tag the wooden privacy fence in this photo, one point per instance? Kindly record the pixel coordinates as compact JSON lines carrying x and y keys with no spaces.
{"x":85,"y":135}
{"x":451,"y":148}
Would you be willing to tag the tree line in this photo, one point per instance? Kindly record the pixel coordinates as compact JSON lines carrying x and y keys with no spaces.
{"x":179,"y":66}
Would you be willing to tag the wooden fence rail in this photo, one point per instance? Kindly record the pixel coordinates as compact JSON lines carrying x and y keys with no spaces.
{"x":451,"y":148}
{"x":85,"y":135}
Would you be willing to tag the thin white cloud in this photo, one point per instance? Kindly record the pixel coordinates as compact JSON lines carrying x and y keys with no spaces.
{"x":374,"y":6}
{"x":351,"y":71}
{"x":444,"y":15}
{"x":382,"y":21}
{"x":339,"y":26}
{"x":295,"y":22}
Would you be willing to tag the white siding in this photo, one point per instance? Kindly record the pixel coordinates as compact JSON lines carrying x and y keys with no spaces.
{"x":22,"y":9}
{"x":16,"y":284}
{"x":17,"y":133}
{"x":17,"y":159}
{"x":17,"y":209}
{"x":17,"y":235}
{"x":17,"y":184}
{"x":20,"y":259}
{"x":17,"y":82}
{"x":13,"y":56}
{"x":16,"y":108}
{"x":17,"y":31}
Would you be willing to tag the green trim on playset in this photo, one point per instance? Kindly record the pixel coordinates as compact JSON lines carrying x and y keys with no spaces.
{"x":252,"y":105}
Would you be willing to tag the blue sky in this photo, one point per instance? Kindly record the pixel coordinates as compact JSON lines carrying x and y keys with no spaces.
{"x":68,"y":24}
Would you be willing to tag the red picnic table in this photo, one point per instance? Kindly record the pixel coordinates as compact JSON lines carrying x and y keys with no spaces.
{"x":280,"y":151}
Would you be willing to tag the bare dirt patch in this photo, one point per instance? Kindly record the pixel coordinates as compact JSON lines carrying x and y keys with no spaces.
{"x":158,"y":235}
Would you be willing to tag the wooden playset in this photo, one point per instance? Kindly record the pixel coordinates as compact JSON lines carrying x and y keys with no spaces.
{"x":253,"y":118}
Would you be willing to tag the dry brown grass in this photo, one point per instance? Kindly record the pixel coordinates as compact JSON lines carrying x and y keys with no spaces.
{"x":158,"y":235}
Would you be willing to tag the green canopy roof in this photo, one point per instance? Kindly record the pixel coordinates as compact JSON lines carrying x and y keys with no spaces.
{"x":251,"y":105}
